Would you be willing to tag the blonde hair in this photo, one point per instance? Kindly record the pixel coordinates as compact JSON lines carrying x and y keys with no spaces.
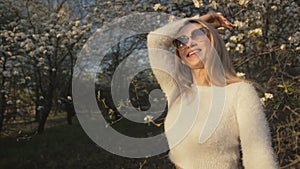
{"x":218,"y":53}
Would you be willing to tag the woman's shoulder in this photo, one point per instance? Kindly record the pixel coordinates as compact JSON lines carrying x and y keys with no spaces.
{"x":245,"y":92}
{"x":242,"y":85}
{"x":242,"y":88}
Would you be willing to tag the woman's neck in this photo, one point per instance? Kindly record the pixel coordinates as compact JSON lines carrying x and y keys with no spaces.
{"x":201,"y":77}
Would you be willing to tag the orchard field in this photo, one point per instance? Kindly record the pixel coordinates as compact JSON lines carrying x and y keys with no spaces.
{"x":39,"y":44}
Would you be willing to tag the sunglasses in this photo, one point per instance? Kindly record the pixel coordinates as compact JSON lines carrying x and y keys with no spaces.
{"x":197,"y":34}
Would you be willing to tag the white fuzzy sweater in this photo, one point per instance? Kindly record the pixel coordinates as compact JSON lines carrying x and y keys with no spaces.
{"x":205,"y":127}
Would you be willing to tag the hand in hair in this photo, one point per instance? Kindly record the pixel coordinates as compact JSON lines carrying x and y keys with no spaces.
{"x":217,"y":21}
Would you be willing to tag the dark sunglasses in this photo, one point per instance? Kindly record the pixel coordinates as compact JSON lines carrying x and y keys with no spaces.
{"x":197,"y":34}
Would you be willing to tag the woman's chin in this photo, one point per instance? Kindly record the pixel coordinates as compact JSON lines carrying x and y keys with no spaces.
{"x":196,"y":65}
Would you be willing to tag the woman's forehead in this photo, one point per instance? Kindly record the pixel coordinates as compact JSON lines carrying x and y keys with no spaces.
{"x":187,"y":29}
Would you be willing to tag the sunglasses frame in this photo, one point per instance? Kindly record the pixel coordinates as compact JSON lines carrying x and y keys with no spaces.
{"x":182,"y":41}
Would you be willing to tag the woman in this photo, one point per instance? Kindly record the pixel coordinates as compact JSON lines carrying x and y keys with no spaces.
{"x":211,"y":112}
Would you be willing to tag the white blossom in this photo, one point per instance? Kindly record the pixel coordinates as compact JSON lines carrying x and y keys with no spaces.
{"x":74,"y":32}
{"x":263,"y":100}
{"x":31,"y":54}
{"x":35,"y":37}
{"x":40,"y":108}
{"x":59,"y":35}
{"x":283,"y":47}
{"x":17,"y":64}
{"x":28,"y":47}
{"x":214,"y":5}
{"x":77,"y":23}
{"x":243,"y":2}
{"x":96,"y":10}
{"x":240,"y":48}
{"x":240,"y":74}
{"x":158,"y":6}
{"x":41,"y":49}
{"x":52,"y":30}
{"x":18,"y":101}
{"x":6,"y":73}
{"x":21,"y":35}
{"x":15,"y":73}
{"x":6,"y":84}
{"x":255,"y":32}
{"x":274,"y":7}
{"x":239,"y":23}
{"x":229,"y":45}
{"x":268,"y":95}
{"x":41,"y":59}
{"x":22,"y":44}
{"x":89,"y":25}
{"x":198,"y":3}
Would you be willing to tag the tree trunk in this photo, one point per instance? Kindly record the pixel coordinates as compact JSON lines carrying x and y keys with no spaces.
{"x":1,"y":119}
{"x":2,"y":110}
{"x":2,"y":94}
{"x":42,"y":121}
{"x":69,"y":118}
{"x":44,"y":113}
{"x":70,"y":112}
{"x":37,"y":106}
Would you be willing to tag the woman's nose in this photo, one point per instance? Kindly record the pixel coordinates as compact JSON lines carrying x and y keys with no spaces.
{"x":191,"y":43}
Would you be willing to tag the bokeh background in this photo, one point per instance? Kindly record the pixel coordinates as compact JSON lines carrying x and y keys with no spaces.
{"x":39,"y":43}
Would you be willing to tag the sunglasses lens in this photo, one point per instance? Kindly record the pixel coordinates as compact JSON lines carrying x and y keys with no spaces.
{"x":180,"y":41}
{"x":198,"y":33}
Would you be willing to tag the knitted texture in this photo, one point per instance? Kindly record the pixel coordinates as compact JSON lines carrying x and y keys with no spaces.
{"x":242,"y":122}
{"x":196,"y":142}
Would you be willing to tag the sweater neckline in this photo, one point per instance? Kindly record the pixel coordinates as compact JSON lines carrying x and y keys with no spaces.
{"x":208,"y":88}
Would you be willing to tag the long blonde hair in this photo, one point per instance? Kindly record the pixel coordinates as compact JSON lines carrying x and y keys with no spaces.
{"x":219,"y":64}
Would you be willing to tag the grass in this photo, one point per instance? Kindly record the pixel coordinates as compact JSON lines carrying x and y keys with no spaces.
{"x":67,"y":146}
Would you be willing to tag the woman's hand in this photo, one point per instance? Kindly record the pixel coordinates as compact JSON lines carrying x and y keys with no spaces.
{"x":217,"y":21}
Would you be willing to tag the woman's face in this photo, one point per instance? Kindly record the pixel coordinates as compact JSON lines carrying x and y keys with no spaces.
{"x":192,"y":43}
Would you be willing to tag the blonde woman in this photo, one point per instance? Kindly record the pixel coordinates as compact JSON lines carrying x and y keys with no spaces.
{"x":212,"y":114}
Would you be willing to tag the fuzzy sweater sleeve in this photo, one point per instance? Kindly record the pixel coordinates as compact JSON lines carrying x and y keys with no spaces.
{"x":254,"y":130}
{"x":162,"y":63}
{"x":162,"y":59}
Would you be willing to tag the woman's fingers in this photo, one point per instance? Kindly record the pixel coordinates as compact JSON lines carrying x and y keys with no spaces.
{"x":229,"y":25}
{"x":224,"y":22}
{"x":217,"y":20}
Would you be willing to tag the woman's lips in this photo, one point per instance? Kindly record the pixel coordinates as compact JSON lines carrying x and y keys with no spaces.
{"x":193,"y":53}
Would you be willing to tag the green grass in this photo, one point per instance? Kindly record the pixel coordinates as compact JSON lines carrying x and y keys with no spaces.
{"x":67,"y":147}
